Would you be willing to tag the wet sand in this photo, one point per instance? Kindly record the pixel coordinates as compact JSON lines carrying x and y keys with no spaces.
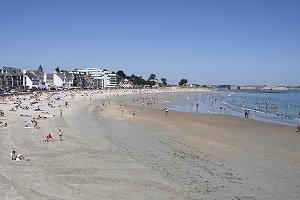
{"x":105,"y":155}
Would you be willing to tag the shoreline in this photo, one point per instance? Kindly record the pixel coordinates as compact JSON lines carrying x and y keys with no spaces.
{"x":184,"y":102}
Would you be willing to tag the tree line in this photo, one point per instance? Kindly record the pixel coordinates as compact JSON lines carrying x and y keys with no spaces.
{"x":151,"y":81}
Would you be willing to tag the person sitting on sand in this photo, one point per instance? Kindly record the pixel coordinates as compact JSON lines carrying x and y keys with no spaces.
{"x":13,"y":155}
{"x":22,"y":115}
{"x":34,"y":122}
{"x":42,"y":117}
{"x":38,"y":109}
{"x":50,"y":138}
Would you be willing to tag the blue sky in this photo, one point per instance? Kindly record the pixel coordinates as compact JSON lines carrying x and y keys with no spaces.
{"x":206,"y":42}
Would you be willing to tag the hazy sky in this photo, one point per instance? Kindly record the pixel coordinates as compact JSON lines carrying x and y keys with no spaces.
{"x":206,"y":42}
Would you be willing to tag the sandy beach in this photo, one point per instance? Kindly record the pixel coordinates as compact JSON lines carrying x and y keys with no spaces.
{"x":113,"y":149}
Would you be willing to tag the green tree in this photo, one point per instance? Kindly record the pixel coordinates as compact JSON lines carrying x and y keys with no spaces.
{"x":164,"y":81}
{"x":75,"y":82}
{"x":183,"y":82}
{"x":151,"y":83}
{"x":137,"y":80}
{"x":120,"y":75}
{"x":152,"y":77}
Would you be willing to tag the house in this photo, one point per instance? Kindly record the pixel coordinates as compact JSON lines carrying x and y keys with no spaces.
{"x":63,"y":79}
{"x":11,"y":78}
{"x":48,"y":78}
{"x":81,"y":79}
{"x":125,"y":83}
{"x":35,"y":79}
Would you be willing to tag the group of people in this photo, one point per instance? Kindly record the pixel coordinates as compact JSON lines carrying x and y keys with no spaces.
{"x":15,"y":156}
{"x":3,"y":125}
{"x":50,"y":138}
{"x":30,"y":123}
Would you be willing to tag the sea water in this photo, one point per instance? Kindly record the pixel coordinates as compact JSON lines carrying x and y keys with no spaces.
{"x":281,"y":107}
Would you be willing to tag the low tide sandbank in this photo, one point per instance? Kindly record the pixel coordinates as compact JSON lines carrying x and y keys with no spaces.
{"x":253,"y":153}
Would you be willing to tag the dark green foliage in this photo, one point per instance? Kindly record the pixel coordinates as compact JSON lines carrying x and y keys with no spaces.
{"x":152,"y":77}
{"x":137,"y":80}
{"x":164,"y":81}
{"x":183,"y":82}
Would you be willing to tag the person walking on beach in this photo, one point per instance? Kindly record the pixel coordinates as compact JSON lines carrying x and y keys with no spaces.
{"x":60,"y":135}
{"x":166,"y":110}
{"x":60,"y":113}
{"x":298,"y":127}
{"x":247,"y":113}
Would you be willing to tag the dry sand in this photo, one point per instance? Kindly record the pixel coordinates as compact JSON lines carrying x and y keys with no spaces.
{"x":105,"y":155}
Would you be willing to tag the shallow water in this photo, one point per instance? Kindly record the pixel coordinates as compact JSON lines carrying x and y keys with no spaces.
{"x":281,"y":107}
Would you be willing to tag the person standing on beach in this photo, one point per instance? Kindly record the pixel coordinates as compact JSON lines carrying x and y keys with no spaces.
{"x":298,"y":127}
{"x":60,"y":113}
{"x":60,"y":135}
{"x":166,"y":110}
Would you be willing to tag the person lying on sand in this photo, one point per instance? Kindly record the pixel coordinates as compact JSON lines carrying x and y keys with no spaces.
{"x":22,"y":115}
{"x":49,"y":138}
{"x":19,"y":157}
{"x":12,"y":109}
{"x":3,"y":125}
{"x":42,"y":117}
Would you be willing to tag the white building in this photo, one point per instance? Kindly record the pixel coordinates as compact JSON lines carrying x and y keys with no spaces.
{"x":34,"y":79}
{"x":63,"y":79}
{"x":102,"y":78}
